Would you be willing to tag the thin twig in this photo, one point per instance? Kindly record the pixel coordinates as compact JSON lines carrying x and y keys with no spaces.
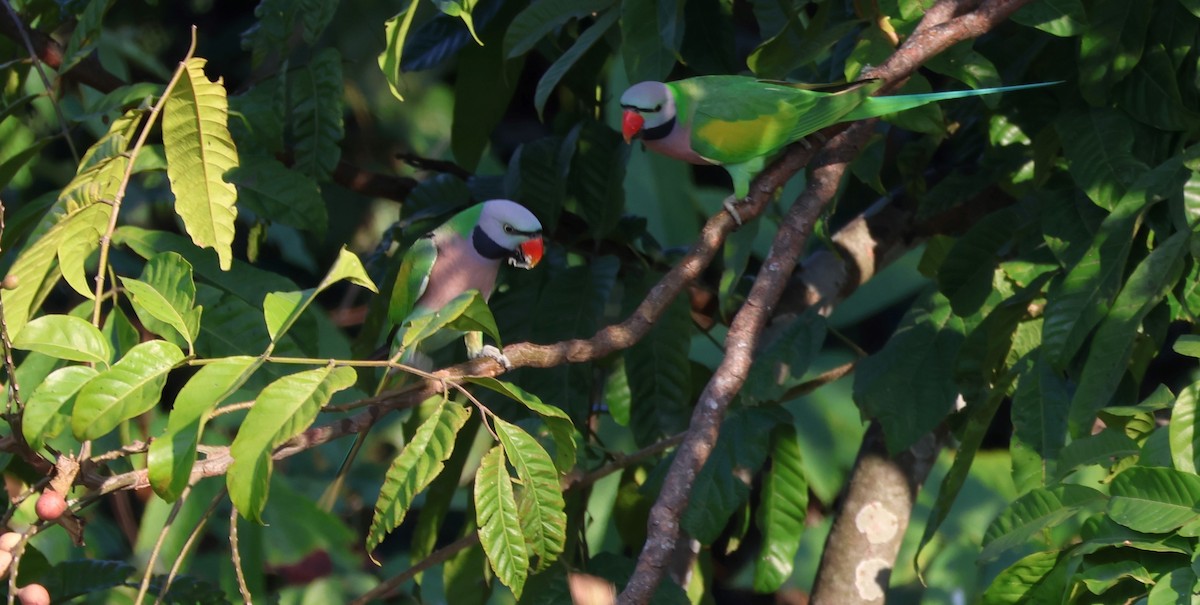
{"x":106,"y":239}
{"x":14,"y":390}
{"x":237,"y":557}
{"x":440,"y":555}
{"x":187,"y":545}
{"x":41,"y":70}
{"x":162,"y":537}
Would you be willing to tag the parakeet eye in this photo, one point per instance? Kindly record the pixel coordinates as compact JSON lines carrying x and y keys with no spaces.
{"x":509,"y":229}
{"x":658,"y":107}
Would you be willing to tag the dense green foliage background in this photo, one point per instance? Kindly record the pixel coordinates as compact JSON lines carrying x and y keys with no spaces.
{"x":1040,"y":327}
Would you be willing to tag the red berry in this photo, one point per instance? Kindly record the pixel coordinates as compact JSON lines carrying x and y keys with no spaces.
{"x":50,"y":505}
{"x":34,"y":594}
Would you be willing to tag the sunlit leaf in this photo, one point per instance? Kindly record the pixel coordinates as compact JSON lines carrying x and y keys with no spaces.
{"x":165,"y":298}
{"x":418,"y":464}
{"x":781,"y":511}
{"x":281,"y":411}
{"x":173,"y":453}
{"x":199,"y":153}
{"x":561,"y":429}
{"x":540,"y":504}
{"x":48,"y":409}
{"x":65,"y":337}
{"x":1036,"y":512}
{"x":129,"y":388}
{"x":500,"y":529}
{"x":1154,"y":500}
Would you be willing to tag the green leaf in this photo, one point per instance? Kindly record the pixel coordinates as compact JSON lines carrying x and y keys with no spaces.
{"x":554,"y":74}
{"x":173,"y":453}
{"x":781,"y":362}
{"x":279,"y":194}
{"x":597,"y":176}
{"x":65,"y":337}
{"x":69,"y":579}
{"x":280,"y":310}
{"x":1154,"y":500}
{"x":722,"y":485}
{"x":128,"y":389}
{"x":483,"y":89}
{"x":1039,"y":417}
{"x":86,"y":35}
{"x":461,"y":9}
{"x":281,"y":411}
{"x":537,"y":175}
{"x":561,"y":429}
{"x":1037,"y":578}
{"x":199,"y":153}
{"x":1034,"y":513}
{"x":781,"y":511}
{"x":1105,"y":448}
{"x":1098,"y":145}
{"x":1174,"y":587}
{"x":542,"y":17}
{"x":660,"y":376}
{"x":979,"y":419}
{"x":48,"y":409}
{"x":1182,"y":429}
{"x":1081,"y":300}
{"x":1100,"y":532}
{"x":1187,"y":344}
{"x":1062,"y":18}
{"x":35,"y":264}
{"x":165,"y":298}
{"x":1100,"y":578}
{"x":316,"y":115}
{"x":500,"y":529}
{"x":418,"y":464}
{"x":916,"y":367}
{"x":643,"y":50}
{"x":1111,"y":46}
{"x":540,"y":503}
{"x":467,"y":312}
{"x":1112,"y":346}
{"x":966,"y":275}
{"x":347,"y":266}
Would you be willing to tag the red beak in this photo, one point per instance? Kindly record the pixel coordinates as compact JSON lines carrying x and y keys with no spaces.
{"x":532,"y":251}
{"x":631,"y":125}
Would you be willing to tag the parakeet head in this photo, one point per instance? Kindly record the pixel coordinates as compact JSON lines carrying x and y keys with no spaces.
{"x":507,"y":229}
{"x":647,"y":105}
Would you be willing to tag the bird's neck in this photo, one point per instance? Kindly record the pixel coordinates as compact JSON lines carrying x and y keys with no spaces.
{"x":659,"y":132}
{"x":487,"y":247}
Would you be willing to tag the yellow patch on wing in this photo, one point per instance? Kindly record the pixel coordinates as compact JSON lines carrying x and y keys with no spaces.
{"x":733,"y":142}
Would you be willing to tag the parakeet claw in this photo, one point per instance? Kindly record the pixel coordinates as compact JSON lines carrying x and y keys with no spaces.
{"x":494,"y":353}
{"x":730,"y":204}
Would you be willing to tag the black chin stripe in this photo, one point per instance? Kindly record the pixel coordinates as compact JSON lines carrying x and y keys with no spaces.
{"x":487,"y":247}
{"x":659,"y":132}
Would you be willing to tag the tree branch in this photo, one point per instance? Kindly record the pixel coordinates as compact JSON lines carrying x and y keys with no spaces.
{"x":663,"y":529}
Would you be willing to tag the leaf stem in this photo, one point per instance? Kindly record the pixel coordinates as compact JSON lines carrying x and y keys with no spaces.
{"x":106,"y":239}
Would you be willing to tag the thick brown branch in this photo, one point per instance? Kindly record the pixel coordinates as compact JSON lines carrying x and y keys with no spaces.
{"x":663,"y":529}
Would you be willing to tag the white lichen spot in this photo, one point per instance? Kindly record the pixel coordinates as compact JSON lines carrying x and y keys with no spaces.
{"x":877,"y":523}
{"x":869,"y":578}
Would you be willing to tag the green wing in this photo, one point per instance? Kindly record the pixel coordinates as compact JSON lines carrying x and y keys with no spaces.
{"x":412,"y":279}
{"x":738,"y":118}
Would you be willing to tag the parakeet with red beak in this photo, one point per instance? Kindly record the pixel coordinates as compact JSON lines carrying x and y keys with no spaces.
{"x":465,"y":253}
{"x":739,"y":122}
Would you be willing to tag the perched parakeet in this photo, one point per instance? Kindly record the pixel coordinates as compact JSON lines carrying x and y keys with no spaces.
{"x":739,"y":122}
{"x":465,"y":253}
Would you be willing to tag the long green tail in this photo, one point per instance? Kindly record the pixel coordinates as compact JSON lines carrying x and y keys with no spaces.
{"x":877,"y":106}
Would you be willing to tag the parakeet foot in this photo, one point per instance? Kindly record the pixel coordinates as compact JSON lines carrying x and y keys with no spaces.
{"x":730,"y":204}
{"x":494,"y":353}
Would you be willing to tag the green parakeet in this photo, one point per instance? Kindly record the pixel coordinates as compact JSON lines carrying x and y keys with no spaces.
{"x":465,"y":253}
{"x":739,"y":122}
